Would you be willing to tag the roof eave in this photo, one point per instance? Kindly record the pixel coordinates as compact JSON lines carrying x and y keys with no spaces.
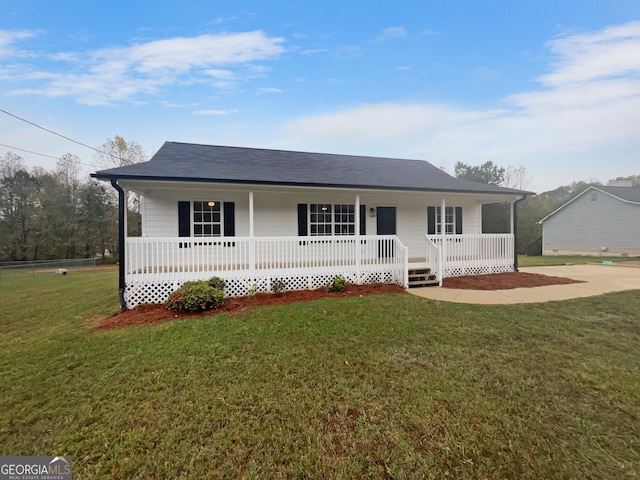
{"x":108,"y":177}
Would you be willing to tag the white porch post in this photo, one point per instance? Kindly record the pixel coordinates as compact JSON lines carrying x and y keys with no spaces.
{"x":357,"y":242}
{"x":443,"y":243}
{"x":512,"y":222}
{"x":252,"y":242}
{"x":251,"y":214}
{"x":126,"y":213}
{"x":143,"y":214}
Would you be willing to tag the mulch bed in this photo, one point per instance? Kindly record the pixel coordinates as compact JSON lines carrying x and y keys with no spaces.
{"x":154,"y":313}
{"x":505,"y":281}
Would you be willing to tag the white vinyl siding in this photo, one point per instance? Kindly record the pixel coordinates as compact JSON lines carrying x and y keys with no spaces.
{"x":275,"y":210}
{"x":161,"y":210}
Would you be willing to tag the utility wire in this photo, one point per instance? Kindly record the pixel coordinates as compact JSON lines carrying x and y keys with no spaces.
{"x":56,"y":133}
{"x":41,"y":154}
{"x":29,"y":151}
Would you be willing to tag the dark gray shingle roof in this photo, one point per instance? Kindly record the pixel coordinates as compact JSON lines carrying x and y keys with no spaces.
{"x":220,"y":164}
{"x":626,"y":194}
{"x":630,"y":194}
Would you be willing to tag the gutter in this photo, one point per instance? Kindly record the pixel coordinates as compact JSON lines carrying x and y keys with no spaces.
{"x":515,"y":233}
{"x":122,"y":203}
{"x":278,"y":183}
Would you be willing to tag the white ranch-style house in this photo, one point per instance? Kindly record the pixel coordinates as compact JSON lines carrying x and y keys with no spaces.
{"x":252,"y":216}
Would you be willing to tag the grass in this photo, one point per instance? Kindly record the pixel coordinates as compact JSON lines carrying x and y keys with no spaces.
{"x":389,"y":386}
{"x":540,"y":261}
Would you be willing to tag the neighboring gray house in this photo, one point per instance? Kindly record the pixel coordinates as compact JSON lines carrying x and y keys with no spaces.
{"x":599,"y":221}
{"x":254,"y":215}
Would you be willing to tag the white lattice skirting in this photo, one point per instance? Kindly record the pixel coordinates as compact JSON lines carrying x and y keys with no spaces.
{"x":158,"y":292}
{"x":459,"y":271}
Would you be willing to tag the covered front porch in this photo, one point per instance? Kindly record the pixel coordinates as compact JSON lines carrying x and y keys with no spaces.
{"x":154,"y":267}
{"x":417,"y":235}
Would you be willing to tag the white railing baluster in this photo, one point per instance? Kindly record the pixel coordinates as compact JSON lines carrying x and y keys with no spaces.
{"x":471,"y":254}
{"x":183,"y":259}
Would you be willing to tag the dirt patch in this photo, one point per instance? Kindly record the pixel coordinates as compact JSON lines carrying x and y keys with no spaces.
{"x":505,"y":281}
{"x":153,"y":313}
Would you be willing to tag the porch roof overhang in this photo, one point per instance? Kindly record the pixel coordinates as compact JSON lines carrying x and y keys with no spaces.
{"x":180,"y":162}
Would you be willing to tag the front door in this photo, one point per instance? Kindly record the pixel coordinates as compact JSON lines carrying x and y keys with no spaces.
{"x":386,"y":225}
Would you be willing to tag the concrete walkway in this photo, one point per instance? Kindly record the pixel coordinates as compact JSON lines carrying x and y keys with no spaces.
{"x":599,"y":279}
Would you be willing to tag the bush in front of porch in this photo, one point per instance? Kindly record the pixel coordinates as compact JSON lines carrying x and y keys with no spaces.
{"x":198,"y":296}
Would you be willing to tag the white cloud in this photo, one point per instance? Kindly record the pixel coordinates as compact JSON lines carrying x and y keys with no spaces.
{"x":214,"y":112}
{"x":429,"y":31}
{"x":392,"y":32}
{"x":270,"y":90}
{"x":122,"y":73}
{"x":9,"y":37}
{"x":312,"y":51}
{"x":486,"y":73}
{"x":587,"y":106}
{"x":611,"y":52}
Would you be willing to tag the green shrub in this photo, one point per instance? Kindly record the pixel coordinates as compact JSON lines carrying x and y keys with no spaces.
{"x":217,"y":283}
{"x":339,"y":284}
{"x":277,"y":287}
{"x":195,"y":296}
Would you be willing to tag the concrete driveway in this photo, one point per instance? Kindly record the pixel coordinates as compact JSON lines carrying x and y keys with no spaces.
{"x":598,"y":279}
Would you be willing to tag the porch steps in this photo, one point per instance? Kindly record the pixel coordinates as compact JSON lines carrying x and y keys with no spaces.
{"x":421,"y":277}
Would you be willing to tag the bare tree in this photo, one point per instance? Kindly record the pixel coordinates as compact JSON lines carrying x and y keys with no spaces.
{"x":117,"y":152}
{"x":68,"y":171}
{"x":516,"y":177}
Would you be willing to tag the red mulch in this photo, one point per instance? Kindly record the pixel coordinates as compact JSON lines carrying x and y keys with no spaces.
{"x":505,"y":281}
{"x":156,"y":312}
{"x":153,"y":313}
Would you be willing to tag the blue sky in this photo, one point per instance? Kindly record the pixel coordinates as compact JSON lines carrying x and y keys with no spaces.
{"x":553,"y":86}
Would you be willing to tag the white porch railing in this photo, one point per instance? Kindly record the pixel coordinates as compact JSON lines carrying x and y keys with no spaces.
{"x":434,"y":259}
{"x":252,"y":263}
{"x":456,"y":255}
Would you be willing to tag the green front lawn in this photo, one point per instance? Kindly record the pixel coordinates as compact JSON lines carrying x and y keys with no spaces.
{"x":389,"y":386}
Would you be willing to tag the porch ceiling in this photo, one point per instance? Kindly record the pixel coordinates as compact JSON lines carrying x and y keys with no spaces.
{"x":148,"y":186}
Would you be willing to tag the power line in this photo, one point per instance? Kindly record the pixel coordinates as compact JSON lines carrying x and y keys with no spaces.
{"x":41,"y":154}
{"x":29,"y":151}
{"x":56,"y":133}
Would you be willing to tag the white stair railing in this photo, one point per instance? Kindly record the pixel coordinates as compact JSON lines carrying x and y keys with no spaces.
{"x":474,"y":254}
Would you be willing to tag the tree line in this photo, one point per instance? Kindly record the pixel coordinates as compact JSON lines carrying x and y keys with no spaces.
{"x":62,"y":214}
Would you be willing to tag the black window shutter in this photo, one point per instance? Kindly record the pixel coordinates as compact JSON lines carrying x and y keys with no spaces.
{"x":363,"y":219}
{"x":458,"y":220}
{"x":229,"y":219}
{"x":431,"y":220}
{"x":302,"y":220}
{"x":184,"y":219}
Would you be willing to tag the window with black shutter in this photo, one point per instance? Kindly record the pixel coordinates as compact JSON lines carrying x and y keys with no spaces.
{"x":208,"y":218}
{"x":452,"y":220}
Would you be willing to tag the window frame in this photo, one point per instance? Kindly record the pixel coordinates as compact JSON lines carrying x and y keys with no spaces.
{"x":202,"y":223}
{"x":333,"y":221}
{"x":449,"y":220}
{"x":453,"y":220}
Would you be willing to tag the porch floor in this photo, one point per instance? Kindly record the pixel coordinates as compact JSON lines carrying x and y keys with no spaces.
{"x":417,"y":263}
